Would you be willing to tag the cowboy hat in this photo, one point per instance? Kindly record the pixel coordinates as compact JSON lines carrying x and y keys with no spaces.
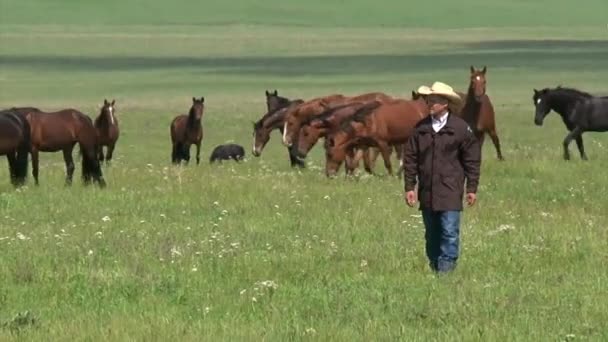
{"x":441,"y":89}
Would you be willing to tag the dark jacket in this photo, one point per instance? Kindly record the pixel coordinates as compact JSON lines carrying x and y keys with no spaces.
{"x":441,"y":161}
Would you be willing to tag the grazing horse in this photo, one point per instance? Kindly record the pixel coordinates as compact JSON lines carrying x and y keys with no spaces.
{"x":314,"y":107}
{"x":60,"y":131}
{"x":187,"y":130}
{"x":15,"y":144}
{"x":478,"y":111}
{"x":319,"y":126}
{"x":389,"y":124}
{"x":270,"y":121}
{"x":107,"y":130}
{"x":580,"y":111}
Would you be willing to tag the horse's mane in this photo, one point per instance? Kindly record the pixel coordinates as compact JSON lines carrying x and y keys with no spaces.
{"x":326,"y":113}
{"x":283,"y":101}
{"x":359,"y":116}
{"x":570,"y":92}
{"x":281,"y":110}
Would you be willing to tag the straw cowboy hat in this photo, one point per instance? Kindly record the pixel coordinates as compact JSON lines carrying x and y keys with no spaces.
{"x":441,"y":89}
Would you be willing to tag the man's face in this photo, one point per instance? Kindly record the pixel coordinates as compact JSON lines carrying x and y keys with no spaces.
{"x":437,"y":104}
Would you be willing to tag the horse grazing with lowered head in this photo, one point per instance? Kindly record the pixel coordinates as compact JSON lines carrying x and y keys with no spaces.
{"x":107,"y":130}
{"x":387,"y":125}
{"x":15,"y":144}
{"x":187,"y":130}
{"x":580,"y":111}
{"x":61,"y":131}
{"x":274,"y":119}
{"x":314,"y":107}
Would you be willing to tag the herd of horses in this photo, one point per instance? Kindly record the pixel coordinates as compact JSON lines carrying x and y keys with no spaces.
{"x":354,"y":128}
{"x":361,"y":127}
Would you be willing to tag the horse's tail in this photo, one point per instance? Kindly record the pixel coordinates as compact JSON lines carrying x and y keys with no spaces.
{"x":23,"y":151}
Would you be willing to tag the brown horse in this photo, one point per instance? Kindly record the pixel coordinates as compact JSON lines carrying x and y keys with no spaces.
{"x":106,"y":126}
{"x":60,"y":131}
{"x":274,"y":119}
{"x":478,"y":111}
{"x":314,"y":107}
{"x":389,"y":124}
{"x":15,"y":144}
{"x":187,"y":130}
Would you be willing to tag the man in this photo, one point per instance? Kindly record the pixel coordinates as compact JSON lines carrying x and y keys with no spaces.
{"x":441,"y":153}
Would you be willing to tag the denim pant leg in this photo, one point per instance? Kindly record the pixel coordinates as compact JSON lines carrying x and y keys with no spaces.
{"x":449,"y":241}
{"x":432,"y":225}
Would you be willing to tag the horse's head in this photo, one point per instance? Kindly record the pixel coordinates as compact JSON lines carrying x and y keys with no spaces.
{"x":336,"y":148}
{"x":416,"y":95}
{"x":108,"y":110}
{"x":309,"y":135}
{"x":478,"y":82}
{"x":261,"y":135}
{"x":541,"y":103}
{"x":273,"y":101}
{"x":198,"y":108}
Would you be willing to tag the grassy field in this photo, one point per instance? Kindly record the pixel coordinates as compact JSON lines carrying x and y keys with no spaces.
{"x":258,"y":251}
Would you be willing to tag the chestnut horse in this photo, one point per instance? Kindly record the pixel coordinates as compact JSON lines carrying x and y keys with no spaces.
{"x":15,"y":144}
{"x":187,"y":130}
{"x":60,"y":131}
{"x":314,"y":107}
{"x":478,"y":111}
{"x":107,"y":130}
{"x":389,"y":124}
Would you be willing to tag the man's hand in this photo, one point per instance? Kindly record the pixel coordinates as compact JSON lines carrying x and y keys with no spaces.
{"x":471,"y":198}
{"x":410,"y":198}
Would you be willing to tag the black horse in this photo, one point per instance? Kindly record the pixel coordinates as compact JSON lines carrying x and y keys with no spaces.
{"x":15,"y":143}
{"x":273,"y":119}
{"x":580,"y":111}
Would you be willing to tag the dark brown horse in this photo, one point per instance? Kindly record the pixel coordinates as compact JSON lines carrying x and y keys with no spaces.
{"x":187,"y":130}
{"x":478,"y":111}
{"x":60,"y":131}
{"x":314,"y":107}
{"x":388,"y":125}
{"x":15,"y":144}
{"x":274,"y":119}
{"x":107,"y":130}
{"x":275,"y":102}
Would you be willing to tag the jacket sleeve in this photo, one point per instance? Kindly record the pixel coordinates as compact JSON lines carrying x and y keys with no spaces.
{"x":470,"y":157}
{"x":410,"y":162}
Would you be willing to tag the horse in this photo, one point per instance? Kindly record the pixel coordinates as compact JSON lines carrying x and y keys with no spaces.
{"x":477,"y":109}
{"x":317,"y":127}
{"x":106,"y":126}
{"x":60,"y":131}
{"x":314,"y":107}
{"x":275,"y":102}
{"x":270,"y":121}
{"x":580,"y":111}
{"x":187,"y":130}
{"x":389,"y":124}
{"x":15,"y":143}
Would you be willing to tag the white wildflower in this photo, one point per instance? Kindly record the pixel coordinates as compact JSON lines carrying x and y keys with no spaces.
{"x":106,"y":218}
{"x":20,"y":236}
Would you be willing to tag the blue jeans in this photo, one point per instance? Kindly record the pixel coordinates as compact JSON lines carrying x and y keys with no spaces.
{"x":442,"y":238}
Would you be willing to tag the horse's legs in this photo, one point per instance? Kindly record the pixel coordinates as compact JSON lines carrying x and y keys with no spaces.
{"x":35,"y":165}
{"x":186,"y":153}
{"x":175,"y":153}
{"x":109,"y":152}
{"x":581,"y":147}
{"x":576,"y":132}
{"x":293,"y":158}
{"x":69,"y":164}
{"x":368,"y":160}
{"x":496,"y":143}
{"x":198,"y":153}
{"x":100,"y":156}
{"x":385,"y":150}
{"x":12,"y":163}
